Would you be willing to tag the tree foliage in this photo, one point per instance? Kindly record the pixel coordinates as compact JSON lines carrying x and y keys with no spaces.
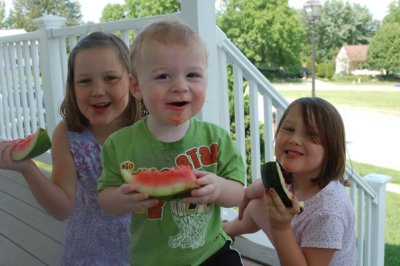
{"x":24,"y":11}
{"x":394,"y":13}
{"x":139,"y":8}
{"x":383,"y":51}
{"x":342,"y":23}
{"x":266,"y":31}
{"x":143,"y":8}
{"x":2,"y":13}
{"x":112,"y":12}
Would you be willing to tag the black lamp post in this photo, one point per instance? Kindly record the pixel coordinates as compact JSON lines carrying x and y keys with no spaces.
{"x":312,"y":8}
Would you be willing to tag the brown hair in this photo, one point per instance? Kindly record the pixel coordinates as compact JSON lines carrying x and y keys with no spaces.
{"x":322,"y":120}
{"x":74,"y":119}
{"x":165,"y":32}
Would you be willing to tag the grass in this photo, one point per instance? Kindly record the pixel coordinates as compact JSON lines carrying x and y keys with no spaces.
{"x":364,"y":169}
{"x":382,"y":100}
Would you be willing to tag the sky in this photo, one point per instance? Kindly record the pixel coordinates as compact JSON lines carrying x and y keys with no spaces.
{"x":378,"y":8}
{"x":91,"y":10}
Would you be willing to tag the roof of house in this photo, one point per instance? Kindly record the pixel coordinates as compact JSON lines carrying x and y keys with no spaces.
{"x":356,"y":53}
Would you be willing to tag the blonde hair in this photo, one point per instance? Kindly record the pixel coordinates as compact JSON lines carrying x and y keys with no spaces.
{"x":165,"y":32}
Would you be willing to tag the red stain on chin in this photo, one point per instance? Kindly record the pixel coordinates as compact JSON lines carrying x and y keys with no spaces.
{"x":176,"y":122}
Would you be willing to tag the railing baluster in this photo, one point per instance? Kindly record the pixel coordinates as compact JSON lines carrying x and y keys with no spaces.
{"x":254,"y":131}
{"x":268,"y":129}
{"x":239,"y":109}
{"x":360,"y":226}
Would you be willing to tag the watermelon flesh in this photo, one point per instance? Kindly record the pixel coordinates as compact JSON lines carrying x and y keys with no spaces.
{"x":31,"y":146}
{"x":272,"y":177}
{"x":174,"y":183}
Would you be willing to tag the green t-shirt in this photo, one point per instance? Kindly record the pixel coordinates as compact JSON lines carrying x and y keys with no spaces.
{"x":173,"y":233}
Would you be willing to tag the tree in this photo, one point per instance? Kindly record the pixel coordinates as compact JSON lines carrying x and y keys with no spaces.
{"x":112,"y":12}
{"x":143,"y":8}
{"x":25,"y":11}
{"x":383,"y":52}
{"x":139,"y":8}
{"x":394,"y":13}
{"x":266,"y":31}
{"x":342,"y":23}
{"x":2,"y":13}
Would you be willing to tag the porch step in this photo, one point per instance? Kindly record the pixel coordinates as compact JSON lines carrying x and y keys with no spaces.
{"x":254,"y":254}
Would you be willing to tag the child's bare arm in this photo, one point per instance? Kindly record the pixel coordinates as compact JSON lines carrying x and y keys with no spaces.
{"x":122,"y":200}
{"x":255,"y":190}
{"x":222,"y":191}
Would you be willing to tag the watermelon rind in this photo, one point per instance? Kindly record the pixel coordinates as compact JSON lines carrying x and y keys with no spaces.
{"x":126,"y":175}
{"x":272,"y":177}
{"x":32,"y":146}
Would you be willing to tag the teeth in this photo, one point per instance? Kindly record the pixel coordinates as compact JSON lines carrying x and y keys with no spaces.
{"x":101,"y":104}
{"x":293,"y":152}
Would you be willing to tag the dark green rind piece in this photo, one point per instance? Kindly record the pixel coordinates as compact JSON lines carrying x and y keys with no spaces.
{"x":272,"y":177}
{"x":180,"y":195}
{"x":41,"y":145}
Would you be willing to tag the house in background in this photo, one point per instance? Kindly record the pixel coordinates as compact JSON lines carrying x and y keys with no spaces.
{"x":351,"y":58}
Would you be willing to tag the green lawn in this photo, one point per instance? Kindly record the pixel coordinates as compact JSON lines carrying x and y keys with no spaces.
{"x":382,"y":100}
{"x":363,"y":169}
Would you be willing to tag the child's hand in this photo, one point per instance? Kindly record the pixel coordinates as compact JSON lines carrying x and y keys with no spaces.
{"x":7,"y":163}
{"x":279,"y":215}
{"x":135,"y":201}
{"x":210,"y":188}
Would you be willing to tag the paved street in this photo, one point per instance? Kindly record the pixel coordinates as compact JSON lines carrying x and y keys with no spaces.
{"x":372,"y":137}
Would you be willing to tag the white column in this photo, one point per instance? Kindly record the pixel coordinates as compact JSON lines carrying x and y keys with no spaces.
{"x":378,"y":183}
{"x":50,"y":64}
{"x":200,"y":16}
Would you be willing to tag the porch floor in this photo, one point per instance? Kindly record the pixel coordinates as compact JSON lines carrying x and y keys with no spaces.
{"x":29,"y":236}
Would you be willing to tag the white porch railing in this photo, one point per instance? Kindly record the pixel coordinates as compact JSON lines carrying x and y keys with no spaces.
{"x":33,"y":70}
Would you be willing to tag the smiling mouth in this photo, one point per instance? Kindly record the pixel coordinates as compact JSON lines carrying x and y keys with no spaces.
{"x":290,"y":152}
{"x":178,"y":104}
{"x":101,"y":106}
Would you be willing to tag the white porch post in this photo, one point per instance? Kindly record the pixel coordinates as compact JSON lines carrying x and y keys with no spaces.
{"x":200,"y":16}
{"x":378,"y":183}
{"x":50,"y":62}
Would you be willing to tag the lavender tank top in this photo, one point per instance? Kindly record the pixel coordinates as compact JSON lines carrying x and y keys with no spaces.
{"x":92,"y":237}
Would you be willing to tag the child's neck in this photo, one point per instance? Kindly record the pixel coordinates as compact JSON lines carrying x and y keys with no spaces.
{"x":101,"y":133}
{"x":167,"y":132}
{"x":304,"y":189}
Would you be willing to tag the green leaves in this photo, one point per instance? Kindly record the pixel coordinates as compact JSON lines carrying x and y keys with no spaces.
{"x":266,"y":31}
{"x":25,"y":11}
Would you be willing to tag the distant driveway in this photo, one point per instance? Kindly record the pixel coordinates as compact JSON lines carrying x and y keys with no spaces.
{"x":372,"y":137}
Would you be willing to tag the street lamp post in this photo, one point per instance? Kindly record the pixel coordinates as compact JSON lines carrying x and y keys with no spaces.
{"x":312,"y":8}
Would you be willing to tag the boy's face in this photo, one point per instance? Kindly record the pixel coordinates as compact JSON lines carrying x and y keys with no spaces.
{"x":172,"y":81}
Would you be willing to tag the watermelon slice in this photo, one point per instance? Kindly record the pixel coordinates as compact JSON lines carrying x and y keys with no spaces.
{"x":174,"y":183}
{"x":31,"y":146}
{"x":272,"y":177}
